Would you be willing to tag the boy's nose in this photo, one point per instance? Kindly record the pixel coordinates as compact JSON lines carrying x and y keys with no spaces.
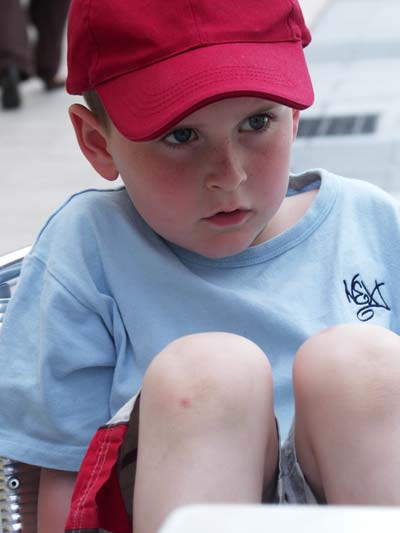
{"x":226,"y":170}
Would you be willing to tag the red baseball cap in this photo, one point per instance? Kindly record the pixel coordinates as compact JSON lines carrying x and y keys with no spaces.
{"x":152,"y":62}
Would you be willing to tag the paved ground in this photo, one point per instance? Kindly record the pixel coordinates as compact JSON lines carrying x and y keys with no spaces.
{"x":355,"y":64}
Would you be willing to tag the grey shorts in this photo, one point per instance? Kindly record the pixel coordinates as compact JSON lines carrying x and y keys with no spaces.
{"x":291,"y":484}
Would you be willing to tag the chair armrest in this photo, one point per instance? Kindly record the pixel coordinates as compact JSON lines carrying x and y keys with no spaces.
{"x":13,"y":257}
{"x":10,"y":268}
{"x":19,"y":487}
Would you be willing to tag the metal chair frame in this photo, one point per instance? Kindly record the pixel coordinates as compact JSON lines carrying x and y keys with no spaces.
{"x":19,"y":482}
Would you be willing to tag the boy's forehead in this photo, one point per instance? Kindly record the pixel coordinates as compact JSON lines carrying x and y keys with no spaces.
{"x":152,"y":63}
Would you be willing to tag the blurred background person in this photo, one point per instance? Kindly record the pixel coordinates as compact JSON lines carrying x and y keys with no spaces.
{"x":22,"y":56}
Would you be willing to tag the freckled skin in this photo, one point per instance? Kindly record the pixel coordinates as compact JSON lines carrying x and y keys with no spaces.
{"x":224,"y":166}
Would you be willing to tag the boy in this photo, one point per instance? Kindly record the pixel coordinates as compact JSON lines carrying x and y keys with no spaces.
{"x":183,"y":296}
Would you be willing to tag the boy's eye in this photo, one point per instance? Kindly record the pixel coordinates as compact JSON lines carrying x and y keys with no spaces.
{"x":255,"y":123}
{"x":180,"y":136}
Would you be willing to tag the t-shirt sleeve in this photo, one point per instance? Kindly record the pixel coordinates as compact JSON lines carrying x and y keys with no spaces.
{"x":57,"y":359}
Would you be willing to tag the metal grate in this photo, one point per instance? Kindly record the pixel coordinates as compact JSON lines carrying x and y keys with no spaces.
{"x":338,"y":125}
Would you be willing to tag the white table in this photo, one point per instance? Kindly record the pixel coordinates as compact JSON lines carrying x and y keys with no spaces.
{"x":282,"y":519}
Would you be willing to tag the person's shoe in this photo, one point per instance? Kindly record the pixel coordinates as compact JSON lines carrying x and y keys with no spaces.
{"x":53,"y":83}
{"x":10,"y":97}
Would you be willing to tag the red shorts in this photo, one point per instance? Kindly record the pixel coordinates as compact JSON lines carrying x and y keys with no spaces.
{"x":103,"y":494}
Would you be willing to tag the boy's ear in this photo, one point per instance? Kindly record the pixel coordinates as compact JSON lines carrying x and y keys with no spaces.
{"x":92,"y":139}
{"x":296,"y":118}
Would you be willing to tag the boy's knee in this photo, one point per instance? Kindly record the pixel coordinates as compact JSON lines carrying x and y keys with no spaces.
{"x":206,"y":371}
{"x":349,"y":362}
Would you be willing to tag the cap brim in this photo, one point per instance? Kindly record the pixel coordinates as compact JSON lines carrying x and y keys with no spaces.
{"x":147,"y":103}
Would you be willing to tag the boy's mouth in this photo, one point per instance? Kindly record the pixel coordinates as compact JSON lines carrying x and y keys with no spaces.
{"x":228,"y":218}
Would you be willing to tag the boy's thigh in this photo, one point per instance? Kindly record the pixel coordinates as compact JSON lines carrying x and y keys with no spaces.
{"x":290,"y":484}
{"x":127,"y":462}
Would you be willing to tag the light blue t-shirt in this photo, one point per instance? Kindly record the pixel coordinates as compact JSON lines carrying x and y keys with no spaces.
{"x":101,"y":294}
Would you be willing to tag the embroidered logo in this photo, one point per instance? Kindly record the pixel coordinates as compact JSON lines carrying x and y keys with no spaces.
{"x":367,"y":300}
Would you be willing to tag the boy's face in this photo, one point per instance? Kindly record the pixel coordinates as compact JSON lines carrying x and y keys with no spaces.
{"x":213,"y":184}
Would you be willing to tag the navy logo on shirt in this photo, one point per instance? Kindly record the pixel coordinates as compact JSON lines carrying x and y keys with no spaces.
{"x":366,"y":299}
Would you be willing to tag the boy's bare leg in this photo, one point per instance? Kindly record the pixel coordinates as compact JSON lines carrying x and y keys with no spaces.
{"x":55,"y":493}
{"x":347,"y":387}
{"x":207,"y":429}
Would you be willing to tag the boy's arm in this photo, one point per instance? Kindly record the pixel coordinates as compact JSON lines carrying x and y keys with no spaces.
{"x":55,"y":492}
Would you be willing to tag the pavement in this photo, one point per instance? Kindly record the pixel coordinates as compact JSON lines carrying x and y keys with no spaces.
{"x":354,"y":61}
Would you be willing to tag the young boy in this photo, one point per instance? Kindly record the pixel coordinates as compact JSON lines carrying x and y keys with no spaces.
{"x":183,"y":296}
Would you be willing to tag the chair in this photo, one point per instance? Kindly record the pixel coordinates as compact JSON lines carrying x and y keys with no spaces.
{"x":19,"y":482}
